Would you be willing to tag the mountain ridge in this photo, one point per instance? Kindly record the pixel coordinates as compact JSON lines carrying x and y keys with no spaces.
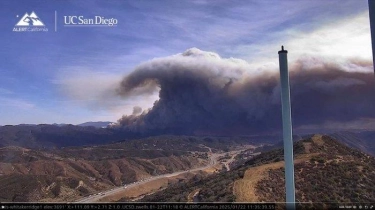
{"x":97,"y":124}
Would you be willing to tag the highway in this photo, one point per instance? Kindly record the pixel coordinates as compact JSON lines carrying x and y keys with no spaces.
{"x":96,"y":197}
{"x":213,"y":161}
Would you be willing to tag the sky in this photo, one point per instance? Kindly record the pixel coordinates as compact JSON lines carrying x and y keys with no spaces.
{"x":60,"y":76}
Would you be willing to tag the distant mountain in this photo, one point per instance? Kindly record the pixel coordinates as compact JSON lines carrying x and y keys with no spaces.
{"x":362,"y":140}
{"x":326,"y":171}
{"x":61,"y":124}
{"x":100,"y":124}
{"x":57,"y":135}
{"x":49,"y":136}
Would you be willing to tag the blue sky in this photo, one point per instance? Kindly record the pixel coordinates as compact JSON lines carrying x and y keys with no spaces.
{"x":53,"y":77}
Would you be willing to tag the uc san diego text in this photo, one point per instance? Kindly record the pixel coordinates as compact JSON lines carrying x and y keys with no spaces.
{"x":97,"y":20}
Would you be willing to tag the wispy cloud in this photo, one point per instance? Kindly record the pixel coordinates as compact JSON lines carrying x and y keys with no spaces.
{"x":342,"y":39}
{"x":16,"y":103}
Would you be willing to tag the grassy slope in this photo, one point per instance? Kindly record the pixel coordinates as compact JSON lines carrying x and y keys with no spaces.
{"x":336,"y":174}
{"x":325,"y":169}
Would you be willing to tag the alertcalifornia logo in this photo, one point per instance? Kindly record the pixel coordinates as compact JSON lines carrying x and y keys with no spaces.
{"x":30,"y":23}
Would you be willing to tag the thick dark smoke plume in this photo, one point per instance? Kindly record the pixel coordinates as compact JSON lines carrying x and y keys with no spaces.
{"x":200,"y":92}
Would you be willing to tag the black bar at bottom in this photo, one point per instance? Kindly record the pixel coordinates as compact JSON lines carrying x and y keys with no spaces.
{"x":140,"y":206}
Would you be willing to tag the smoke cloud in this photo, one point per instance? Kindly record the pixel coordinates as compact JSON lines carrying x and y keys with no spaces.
{"x":137,"y":110}
{"x":202,"y":93}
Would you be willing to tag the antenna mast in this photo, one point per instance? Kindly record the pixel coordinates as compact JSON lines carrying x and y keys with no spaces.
{"x":371,"y":8}
{"x":287,"y":129}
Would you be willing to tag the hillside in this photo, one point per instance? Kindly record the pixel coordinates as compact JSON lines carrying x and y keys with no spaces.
{"x":325,"y":170}
{"x":42,"y":176}
{"x":68,"y":173}
{"x":362,"y":140}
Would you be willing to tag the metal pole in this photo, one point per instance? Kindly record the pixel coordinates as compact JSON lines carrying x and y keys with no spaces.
{"x":287,"y":129}
{"x":371,"y":8}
